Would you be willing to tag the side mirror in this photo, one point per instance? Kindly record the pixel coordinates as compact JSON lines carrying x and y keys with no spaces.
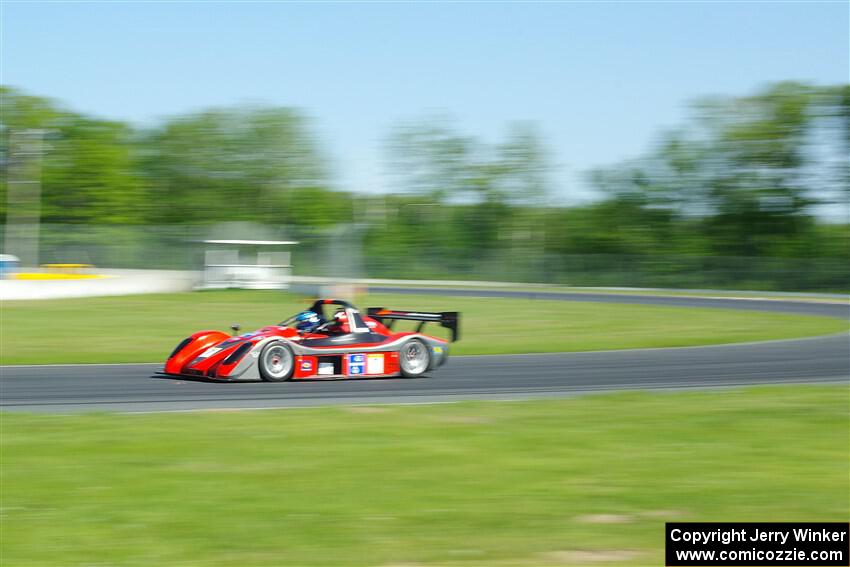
{"x":235,"y":327}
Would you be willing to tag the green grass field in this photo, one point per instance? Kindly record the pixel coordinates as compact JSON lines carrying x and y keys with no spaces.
{"x":144,"y":328}
{"x":557,"y":482}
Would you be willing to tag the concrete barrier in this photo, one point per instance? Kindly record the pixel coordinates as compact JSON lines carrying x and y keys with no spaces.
{"x":111,"y":282}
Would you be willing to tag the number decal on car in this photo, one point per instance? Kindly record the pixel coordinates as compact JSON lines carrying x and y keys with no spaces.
{"x":209,"y":352}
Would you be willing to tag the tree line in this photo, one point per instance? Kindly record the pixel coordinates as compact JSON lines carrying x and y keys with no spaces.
{"x":744,"y":177}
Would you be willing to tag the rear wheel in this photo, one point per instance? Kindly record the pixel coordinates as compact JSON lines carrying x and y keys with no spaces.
{"x":414,"y":358}
{"x":276,"y":362}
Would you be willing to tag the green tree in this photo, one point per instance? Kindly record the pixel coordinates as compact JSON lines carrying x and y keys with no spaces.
{"x":85,"y":166}
{"x":258,"y":164}
{"x":473,"y":198}
{"x":739,"y":167}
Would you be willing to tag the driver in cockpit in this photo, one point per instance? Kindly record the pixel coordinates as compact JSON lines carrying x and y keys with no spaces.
{"x":311,"y":322}
{"x":308,"y":321}
{"x":339,"y":325}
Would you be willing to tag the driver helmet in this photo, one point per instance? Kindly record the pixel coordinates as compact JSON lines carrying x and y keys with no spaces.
{"x":307,"y":321}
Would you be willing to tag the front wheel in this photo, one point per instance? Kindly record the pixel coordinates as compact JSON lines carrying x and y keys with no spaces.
{"x":414,"y":358}
{"x":276,"y":362}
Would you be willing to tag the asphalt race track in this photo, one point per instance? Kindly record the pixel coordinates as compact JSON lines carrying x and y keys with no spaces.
{"x":134,"y":387}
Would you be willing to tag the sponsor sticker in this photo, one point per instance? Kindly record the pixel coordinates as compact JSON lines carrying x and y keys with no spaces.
{"x":306,"y":366}
{"x":326,"y":368}
{"x":375,"y":364}
{"x":356,"y":364}
{"x":438,"y":350}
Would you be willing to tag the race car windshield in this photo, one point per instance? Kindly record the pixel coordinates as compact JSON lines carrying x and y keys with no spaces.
{"x":288,"y":321}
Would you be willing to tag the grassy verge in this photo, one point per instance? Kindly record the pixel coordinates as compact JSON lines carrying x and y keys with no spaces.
{"x":144,"y":328}
{"x":481,"y":484}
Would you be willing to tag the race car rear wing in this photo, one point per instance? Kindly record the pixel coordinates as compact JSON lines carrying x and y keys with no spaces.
{"x":448,"y":319}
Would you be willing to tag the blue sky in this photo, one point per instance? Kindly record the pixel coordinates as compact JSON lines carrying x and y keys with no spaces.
{"x":600,"y":79}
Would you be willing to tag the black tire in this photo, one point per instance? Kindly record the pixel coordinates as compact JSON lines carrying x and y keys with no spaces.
{"x":276,"y":362}
{"x":414,"y":358}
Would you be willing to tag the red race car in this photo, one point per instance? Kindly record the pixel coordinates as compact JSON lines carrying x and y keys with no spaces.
{"x":317,"y":344}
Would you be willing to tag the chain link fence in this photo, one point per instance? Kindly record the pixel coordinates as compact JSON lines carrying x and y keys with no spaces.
{"x":343,"y":251}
